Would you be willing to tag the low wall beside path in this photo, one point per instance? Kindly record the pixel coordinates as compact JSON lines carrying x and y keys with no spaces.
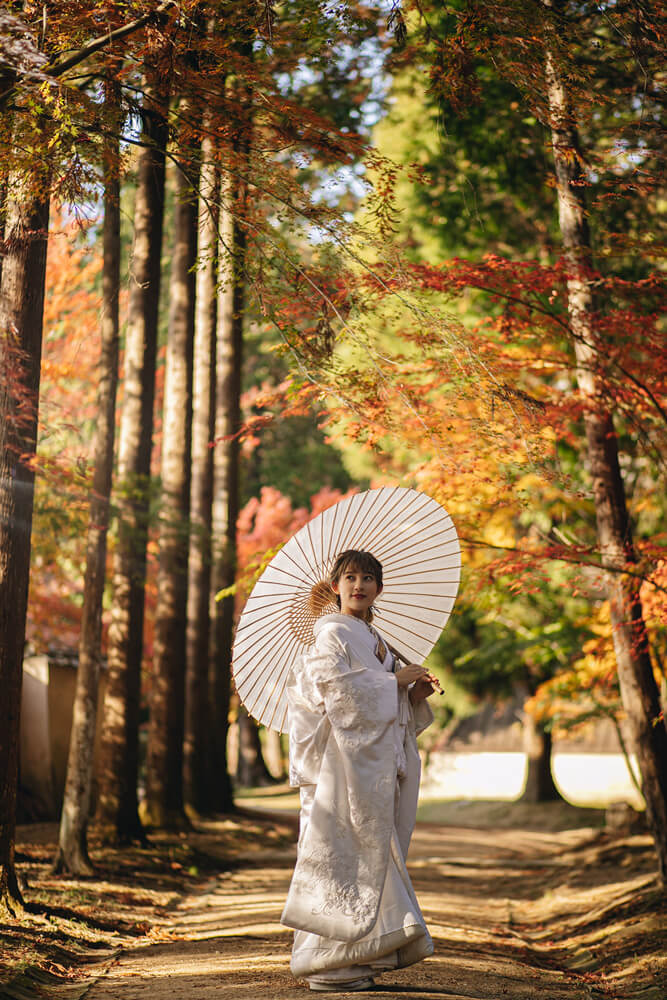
{"x":47,"y":701}
{"x":583,"y":778}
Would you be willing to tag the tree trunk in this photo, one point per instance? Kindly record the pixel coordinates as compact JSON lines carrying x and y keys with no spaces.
{"x":21,"y":308}
{"x":164,"y":764}
{"x":274,"y":755}
{"x":226,"y":477}
{"x":196,"y":771}
{"x":72,"y":855}
{"x":3,"y":216}
{"x":537,"y":744}
{"x":117,"y":806}
{"x":250,"y":768}
{"x":637,"y":682}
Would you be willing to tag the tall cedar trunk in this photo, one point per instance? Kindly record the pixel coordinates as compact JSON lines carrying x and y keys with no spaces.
{"x":3,"y":216}
{"x":164,"y":763}
{"x":639,"y":690}
{"x":117,"y":806}
{"x":21,"y":308}
{"x":196,"y":771}
{"x":229,"y":363}
{"x":72,"y":854}
{"x":250,"y":769}
{"x":537,"y":743}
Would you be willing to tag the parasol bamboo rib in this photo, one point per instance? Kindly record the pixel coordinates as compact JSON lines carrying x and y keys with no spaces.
{"x":414,"y":539}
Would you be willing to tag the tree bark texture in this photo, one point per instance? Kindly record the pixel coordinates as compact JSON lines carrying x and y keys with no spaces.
{"x":226,"y":474}
{"x":3,"y":216}
{"x":117,"y":806}
{"x":164,"y":763}
{"x":197,"y":775}
{"x":72,"y":855}
{"x":639,"y":690}
{"x":21,"y":309}
{"x":251,"y":769}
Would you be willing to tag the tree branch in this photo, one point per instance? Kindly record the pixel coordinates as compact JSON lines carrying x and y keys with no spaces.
{"x":60,"y":65}
{"x":576,"y":560}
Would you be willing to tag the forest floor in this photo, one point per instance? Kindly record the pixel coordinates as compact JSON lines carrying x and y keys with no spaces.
{"x":524,"y":903}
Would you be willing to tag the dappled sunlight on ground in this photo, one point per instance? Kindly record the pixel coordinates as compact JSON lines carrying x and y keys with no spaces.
{"x":512,"y":912}
{"x":544,"y":910}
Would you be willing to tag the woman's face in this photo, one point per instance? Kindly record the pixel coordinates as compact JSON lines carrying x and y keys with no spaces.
{"x":357,"y":591}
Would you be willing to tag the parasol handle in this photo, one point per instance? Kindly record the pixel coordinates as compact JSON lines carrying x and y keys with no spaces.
{"x":404,"y":659}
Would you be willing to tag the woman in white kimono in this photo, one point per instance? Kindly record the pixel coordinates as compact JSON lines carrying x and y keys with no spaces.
{"x":353,"y":721}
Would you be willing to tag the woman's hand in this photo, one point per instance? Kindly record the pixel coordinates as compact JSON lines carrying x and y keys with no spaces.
{"x":410,"y":674}
{"x":422,"y":689}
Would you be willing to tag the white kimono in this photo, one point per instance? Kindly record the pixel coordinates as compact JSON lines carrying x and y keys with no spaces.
{"x":353,"y":752}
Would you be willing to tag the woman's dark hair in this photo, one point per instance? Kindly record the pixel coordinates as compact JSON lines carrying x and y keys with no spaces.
{"x":357,"y":559}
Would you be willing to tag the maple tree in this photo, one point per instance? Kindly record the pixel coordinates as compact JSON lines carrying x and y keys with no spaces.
{"x":81,"y":124}
{"x":460,"y":376}
{"x":35,"y":117}
{"x":560,"y":102}
{"x":489,"y":406}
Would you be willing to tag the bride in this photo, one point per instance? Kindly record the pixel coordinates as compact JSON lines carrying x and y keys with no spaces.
{"x":353,"y":721}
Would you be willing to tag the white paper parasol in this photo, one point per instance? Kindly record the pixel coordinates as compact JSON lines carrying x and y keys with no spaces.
{"x":415,"y":540}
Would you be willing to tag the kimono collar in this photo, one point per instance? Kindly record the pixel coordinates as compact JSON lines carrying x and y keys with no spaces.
{"x":367,"y":634}
{"x":340,"y":619}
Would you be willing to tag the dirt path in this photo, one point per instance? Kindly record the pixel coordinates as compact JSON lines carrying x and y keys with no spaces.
{"x":514,"y":914}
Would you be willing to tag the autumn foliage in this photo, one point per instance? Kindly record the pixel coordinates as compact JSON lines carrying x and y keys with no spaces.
{"x":412,"y":350}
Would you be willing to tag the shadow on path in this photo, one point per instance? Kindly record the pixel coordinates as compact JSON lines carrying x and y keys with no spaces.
{"x":515,"y":915}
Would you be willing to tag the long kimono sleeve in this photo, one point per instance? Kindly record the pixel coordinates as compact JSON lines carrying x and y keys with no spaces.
{"x":417,"y":717}
{"x":422,"y":714}
{"x":343,"y":856}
